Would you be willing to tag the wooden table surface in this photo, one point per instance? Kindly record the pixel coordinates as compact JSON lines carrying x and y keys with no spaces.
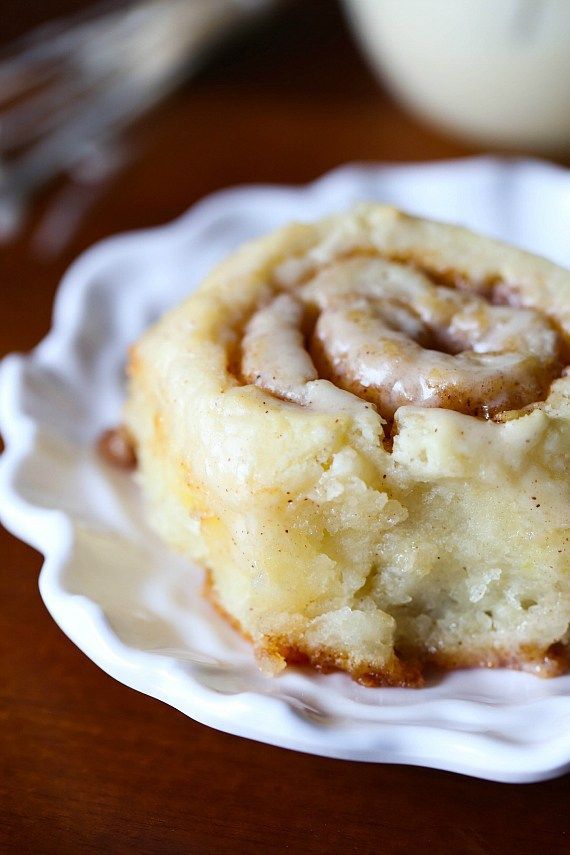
{"x":87,"y":764}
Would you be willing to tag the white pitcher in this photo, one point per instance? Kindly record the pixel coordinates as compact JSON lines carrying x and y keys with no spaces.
{"x":497,"y":71}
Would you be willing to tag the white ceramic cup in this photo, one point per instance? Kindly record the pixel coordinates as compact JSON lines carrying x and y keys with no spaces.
{"x":497,"y":71}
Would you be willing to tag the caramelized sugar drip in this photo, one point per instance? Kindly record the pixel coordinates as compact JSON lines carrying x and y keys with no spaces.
{"x":116,"y":447}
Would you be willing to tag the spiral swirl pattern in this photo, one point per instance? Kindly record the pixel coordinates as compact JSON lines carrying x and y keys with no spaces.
{"x":387,"y":333}
{"x":361,"y":428}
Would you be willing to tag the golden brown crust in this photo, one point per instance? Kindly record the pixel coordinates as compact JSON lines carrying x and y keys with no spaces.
{"x":406,"y":670}
{"x":337,"y":539}
{"x":552,"y":661}
{"x":399,"y":674}
{"x":396,"y":674}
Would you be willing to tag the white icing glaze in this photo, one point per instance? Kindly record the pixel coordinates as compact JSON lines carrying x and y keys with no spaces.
{"x":387,"y":333}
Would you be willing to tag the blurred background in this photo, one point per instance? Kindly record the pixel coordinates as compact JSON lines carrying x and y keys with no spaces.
{"x":119,"y":115}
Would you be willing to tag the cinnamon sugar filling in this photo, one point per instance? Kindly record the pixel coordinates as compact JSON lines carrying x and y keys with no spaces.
{"x":389,"y":334}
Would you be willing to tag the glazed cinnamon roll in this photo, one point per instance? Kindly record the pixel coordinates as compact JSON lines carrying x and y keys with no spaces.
{"x":361,"y":429}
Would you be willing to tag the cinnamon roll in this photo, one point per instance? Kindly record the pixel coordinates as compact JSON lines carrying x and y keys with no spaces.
{"x":361,"y":429}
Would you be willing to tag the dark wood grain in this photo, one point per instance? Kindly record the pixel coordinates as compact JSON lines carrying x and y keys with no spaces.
{"x":88,"y":765}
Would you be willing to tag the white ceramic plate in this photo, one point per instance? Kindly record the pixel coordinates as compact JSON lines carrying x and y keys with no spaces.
{"x":135,"y":609}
